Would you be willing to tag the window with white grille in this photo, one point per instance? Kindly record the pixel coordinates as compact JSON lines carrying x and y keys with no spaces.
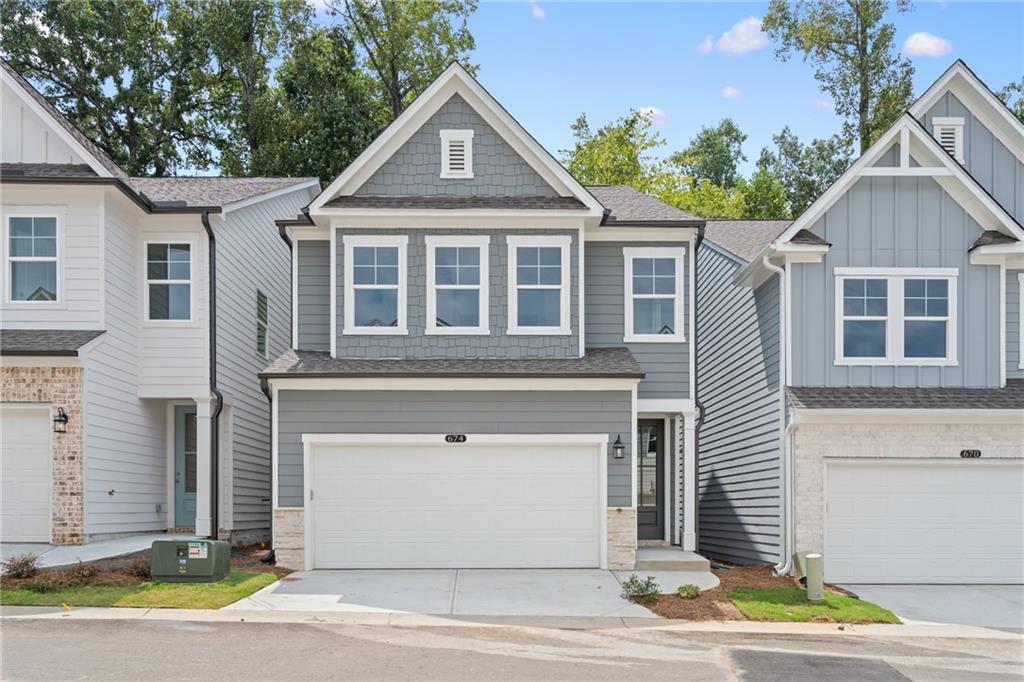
{"x":456,"y":153}
{"x":949,"y":131}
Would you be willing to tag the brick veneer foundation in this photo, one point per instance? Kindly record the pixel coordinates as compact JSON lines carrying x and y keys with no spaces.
{"x":58,"y":387}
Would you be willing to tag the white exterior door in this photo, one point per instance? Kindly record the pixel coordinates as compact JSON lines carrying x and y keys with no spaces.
{"x":25,"y":472}
{"x":456,"y":505}
{"x":924,"y":521}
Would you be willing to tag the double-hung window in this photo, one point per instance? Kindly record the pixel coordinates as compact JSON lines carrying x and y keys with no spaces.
{"x":168,"y":281}
{"x":375,"y":284}
{"x":457,"y":278}
{"x":654,"y":294}
{"x":262,"y":322}
{"x":539,"y":284}
{"x":896,"y":316}
{"x":32,"y":258}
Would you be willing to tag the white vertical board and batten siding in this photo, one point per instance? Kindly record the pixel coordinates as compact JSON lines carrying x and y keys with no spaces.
{"x":26,"y":138}
{"x":1014,"y":296}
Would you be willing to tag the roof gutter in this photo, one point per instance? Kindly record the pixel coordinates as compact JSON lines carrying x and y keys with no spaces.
{"x":215,"y":414}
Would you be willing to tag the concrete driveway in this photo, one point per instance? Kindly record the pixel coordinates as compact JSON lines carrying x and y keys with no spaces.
{"x":464,"y":592}
{"x":994,"y":606}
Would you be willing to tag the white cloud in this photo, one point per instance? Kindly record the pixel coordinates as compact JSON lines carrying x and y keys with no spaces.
{"x":923,"y":44}
{"x":745,"y":36}
{"x":730,"y":92}
{"x":653,"y":114}
{"x":705,"y":45}
{"x":823,"y":104}
{"x":538,"y":12}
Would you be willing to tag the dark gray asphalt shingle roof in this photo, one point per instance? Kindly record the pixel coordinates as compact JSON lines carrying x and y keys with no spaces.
{"x":597,"y":363}
{"x":209,"y":191}
{"x":46,"y":170}
{"x":453,"y":202}
{"x":45,"y":341}
{"x":818,"y":398}
{"x":744,"y":238}
{"x":992,"y":237}
{"x":628,"y":205}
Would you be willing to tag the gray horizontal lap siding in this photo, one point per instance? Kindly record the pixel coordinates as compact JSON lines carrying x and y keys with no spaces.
{"x":738,"y":463}
{"x":415,"y":169}
{"x":1013,"y":325}
{"x":469,"y":412}
{"x":895,"y":222}
{"x":667,"y":365}
{"x":498,"y":344}
{"x":313,"y":294}
{"x":985,"y":157}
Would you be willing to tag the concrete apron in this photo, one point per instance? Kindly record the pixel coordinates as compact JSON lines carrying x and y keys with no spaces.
{"x":583,"y":593}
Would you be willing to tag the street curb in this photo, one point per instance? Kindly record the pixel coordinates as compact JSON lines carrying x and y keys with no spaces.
{"x":907,"y":630}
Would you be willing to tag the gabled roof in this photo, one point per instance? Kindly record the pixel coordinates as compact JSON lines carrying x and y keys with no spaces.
{"x":844,"y":398}
{"x":982,"y":102}
{"x":744,"y":239}
{"x":455,"y":80}
{"x":48,"y":342}
{"x":628,"y":206}
{"x":213,"y":191}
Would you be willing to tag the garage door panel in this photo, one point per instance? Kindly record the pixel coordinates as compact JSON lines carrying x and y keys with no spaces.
{"x":946,"y":521}
{"x":430,"y":506}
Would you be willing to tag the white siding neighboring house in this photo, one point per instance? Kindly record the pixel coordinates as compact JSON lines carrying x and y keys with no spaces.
{"x":117,"y":337}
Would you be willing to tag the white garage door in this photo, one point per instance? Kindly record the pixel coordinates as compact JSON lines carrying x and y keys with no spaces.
{"x":924,"y":521}
{"x":25,"y":465}
{"x":452,"y":506}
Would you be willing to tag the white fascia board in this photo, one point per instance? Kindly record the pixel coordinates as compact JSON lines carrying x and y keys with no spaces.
{"x":265,"y":196}
{"x":452,"y":384}
{"x":670,"y":406}
{"x":456,"y":80}
{"x":440,"y":439}
{"x":640,"y":234}
{"x":477,"y":218}
{"x":907,"y":416}
{"x":1007,"y":255}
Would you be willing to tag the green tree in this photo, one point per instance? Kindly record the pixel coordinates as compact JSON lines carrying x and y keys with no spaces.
{"x":805,"y":171}
{"x":714,"y":154}
{"x":407,"y":43}
{"x":126,"y":72}
{"x":619,"y":153}
{"x":855,"y":60}
{"x":764,"y":197}
{"x":1013,"y":96}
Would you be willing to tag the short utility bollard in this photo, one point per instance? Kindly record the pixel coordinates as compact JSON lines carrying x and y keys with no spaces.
{"x":815,"y":578}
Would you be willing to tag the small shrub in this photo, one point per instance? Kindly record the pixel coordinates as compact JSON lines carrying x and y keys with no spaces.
{"x":688,"y":591}
{"x":138,"y":568}
{"x":63,"y":578}
{"x":21,"y":566}
{"x":641,"y":591}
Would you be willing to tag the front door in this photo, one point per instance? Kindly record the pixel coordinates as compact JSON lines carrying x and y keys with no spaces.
{"x":185,"y":466}
{"x":650,"y":512}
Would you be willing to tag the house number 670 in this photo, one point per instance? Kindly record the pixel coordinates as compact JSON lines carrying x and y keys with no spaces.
{"x":970,"y":454}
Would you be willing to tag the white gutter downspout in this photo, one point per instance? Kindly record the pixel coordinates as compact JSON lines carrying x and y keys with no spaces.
{"x":785,"y":551}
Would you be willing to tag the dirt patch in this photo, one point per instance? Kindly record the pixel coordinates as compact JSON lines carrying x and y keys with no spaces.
{"x":249,"y":558}
{"x":714,"y":604}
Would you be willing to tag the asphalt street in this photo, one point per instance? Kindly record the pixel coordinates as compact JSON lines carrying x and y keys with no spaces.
{"x":186,"y":650}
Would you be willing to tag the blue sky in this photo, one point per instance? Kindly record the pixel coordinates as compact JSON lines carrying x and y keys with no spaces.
{"x":547,"y":62}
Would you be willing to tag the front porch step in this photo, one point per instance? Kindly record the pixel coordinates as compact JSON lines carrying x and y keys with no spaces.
{"x":669,"y":559}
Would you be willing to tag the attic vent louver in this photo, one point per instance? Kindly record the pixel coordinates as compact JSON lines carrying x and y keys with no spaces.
{"x":949,"y":131}
{"x":456,"y":153}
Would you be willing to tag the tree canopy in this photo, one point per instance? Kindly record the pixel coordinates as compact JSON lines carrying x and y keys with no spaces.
{"x":714,"y":154}
{"x":805,"y":170}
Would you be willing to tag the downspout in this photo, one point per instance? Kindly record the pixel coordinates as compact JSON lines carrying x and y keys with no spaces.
{"x":696,"y":372}
{"x":215,"y":415}
{"x":784,"y":565}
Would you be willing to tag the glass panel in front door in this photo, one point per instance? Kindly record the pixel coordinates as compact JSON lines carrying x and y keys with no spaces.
{"x":647,"y":466}
{"x":190,"y":452}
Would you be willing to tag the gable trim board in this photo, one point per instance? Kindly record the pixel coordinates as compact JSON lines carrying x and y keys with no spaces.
{"x":456,"y":80}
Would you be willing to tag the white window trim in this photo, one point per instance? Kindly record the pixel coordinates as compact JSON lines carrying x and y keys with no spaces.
{"x":469,"y":241}
{"x":266,"y":327}
{"x":466,"y":136}
{"x":679,"y":255}
{"x":1020,"y":320}
{"x":957,"y":123}
{"x":35,"y":212}
{"x":564,"y":242}
{"x":351,"y":242}
{"x":191,"y":281}
{"x":895,"y":318}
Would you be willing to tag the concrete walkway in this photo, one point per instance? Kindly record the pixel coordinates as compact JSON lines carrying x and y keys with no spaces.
{"x":461,"y":592}
{"x":994,"y":606}
{"x":51,"y":556}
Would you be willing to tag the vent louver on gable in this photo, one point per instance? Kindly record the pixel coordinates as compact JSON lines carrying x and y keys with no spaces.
{"x":949,"y":131}
{"x":456,"y":153}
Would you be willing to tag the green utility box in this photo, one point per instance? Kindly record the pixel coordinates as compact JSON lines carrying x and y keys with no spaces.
{"x":190,"y":561}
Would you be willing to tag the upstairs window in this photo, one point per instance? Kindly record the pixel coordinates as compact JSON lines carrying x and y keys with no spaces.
{"x":262,"y":322}
{"x":375,"y":284}
{"x":892,"y":316}
{"x":539,"y":277}
{"x":456,"y":153}
{"x":457,"y":278}
{"x":949,"y":131}
{"x":168,"y":281}
{"x":32,"y":258}
{"x":654,"y":294}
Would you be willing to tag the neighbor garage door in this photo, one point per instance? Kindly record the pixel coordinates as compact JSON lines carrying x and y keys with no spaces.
{"x":25,"y":465}
{"x":924,"y":521}
{"x":431,"y":506}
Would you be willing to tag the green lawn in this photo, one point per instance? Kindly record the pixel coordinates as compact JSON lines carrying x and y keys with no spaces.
{"x":790,"y":604}
{"x":153,"y":595}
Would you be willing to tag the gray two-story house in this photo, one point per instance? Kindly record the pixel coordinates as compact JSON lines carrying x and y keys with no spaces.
{"x":861,"y":367}
{"x":491,"y":365}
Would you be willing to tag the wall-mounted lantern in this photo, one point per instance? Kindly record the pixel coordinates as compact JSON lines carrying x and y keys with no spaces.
{"x":618,"y":449}
{"x":60,"y":422}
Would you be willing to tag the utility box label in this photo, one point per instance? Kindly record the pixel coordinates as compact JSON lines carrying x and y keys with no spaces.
{"x":197,"y":550}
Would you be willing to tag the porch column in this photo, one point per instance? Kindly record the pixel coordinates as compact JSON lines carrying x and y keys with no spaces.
{"x":689,"y":487}
{"x":204,"y":425}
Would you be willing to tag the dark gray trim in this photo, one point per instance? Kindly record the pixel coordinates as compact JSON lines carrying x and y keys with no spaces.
{"x":215,"y":415}
{"x":45,"y":342}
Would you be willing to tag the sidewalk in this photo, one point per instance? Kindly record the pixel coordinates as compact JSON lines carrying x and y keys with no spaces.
{"x":51,"y":556}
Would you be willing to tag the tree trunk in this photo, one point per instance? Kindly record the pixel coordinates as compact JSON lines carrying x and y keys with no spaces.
{"x":864,"y":104}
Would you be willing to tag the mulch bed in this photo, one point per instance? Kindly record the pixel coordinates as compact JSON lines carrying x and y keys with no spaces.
{"x":248,"y":558}
{"x":714,"y":604}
